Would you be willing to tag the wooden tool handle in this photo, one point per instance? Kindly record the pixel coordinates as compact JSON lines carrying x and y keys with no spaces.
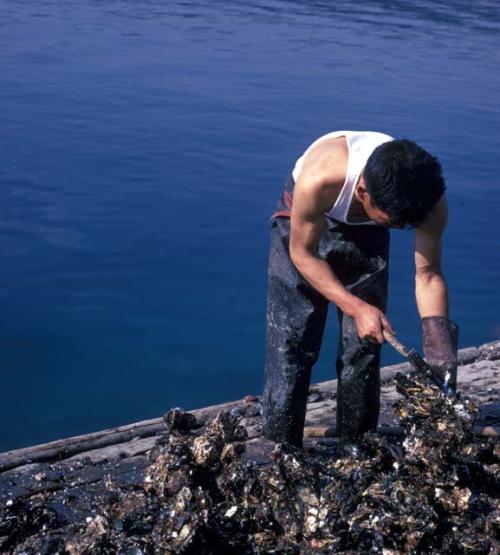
{"x":400,"y":348}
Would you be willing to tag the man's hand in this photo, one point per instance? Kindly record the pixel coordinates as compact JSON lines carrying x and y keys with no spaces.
{"x":371,"y":322}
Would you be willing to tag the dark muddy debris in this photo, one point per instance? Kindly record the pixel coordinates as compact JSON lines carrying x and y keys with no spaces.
{"x":435,"y":490}
{"x":179,"y":419}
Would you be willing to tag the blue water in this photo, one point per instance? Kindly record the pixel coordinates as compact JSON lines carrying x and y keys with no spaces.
{"x":143,"y":147}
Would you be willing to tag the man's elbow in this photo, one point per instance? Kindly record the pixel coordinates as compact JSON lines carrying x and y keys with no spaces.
{"x":299,"y":257}
{"x":428,"y":276}
{"x":296,"y":256}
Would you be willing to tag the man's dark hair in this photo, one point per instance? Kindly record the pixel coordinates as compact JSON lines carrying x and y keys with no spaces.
{"x":405,"y":181}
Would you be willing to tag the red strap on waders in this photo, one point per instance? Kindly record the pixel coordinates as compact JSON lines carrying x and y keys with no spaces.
{"x":288,"y":200}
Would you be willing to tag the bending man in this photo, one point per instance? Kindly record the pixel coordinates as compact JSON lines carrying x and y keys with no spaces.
{"x":330,"y":243}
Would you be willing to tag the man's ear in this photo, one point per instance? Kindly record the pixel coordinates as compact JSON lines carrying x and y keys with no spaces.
{"x":362,"y":192}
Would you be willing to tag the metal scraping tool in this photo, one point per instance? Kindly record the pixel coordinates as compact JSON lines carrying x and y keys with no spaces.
{"x":417,"y":361}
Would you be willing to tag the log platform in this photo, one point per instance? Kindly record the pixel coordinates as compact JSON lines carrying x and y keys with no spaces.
{"x":70,"y":473}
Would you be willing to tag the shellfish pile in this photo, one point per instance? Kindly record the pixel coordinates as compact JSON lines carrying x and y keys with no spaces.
{"x":434,"y":490}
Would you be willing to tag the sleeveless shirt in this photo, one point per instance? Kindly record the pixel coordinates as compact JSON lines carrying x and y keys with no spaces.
{"x":360,"y":145}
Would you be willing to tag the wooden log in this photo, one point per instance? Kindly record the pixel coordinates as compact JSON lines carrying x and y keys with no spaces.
{"x":321,"y":406}
{"x":116,"y":451}
{"x":320,"y":431}
{"x":203,"y":414}
{"x":331,"y":431}
{"x":490,"y":351}
{"x":64,"y":448}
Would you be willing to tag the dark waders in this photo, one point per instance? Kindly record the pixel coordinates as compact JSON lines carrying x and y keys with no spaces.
{"x":296,"y":315}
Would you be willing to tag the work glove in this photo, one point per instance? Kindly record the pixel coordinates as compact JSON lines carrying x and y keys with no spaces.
{"x":440,"y":341}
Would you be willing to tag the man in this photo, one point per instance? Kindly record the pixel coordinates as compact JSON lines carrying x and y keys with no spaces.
{"x":330,"y":243}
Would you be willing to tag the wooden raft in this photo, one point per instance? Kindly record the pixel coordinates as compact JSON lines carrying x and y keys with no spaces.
{"x":121,"y":452}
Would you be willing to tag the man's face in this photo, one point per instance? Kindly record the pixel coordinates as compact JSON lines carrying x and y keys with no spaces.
{"x":376,"y":214}
{"x":379,"y":216}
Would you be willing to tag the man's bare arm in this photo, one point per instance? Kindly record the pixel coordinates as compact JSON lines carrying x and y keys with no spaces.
{"x":430,"y":286}
{"x":312,"y":198}
{"x":307,"y":225}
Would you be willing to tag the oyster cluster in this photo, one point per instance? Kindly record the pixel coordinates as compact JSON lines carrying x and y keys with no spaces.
{"x":435,"y":490}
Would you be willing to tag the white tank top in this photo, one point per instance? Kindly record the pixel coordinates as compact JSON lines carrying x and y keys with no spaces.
{"x":360,"y":144}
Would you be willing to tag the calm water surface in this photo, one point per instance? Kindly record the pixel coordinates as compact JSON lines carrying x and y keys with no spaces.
{"x":143,"y":147}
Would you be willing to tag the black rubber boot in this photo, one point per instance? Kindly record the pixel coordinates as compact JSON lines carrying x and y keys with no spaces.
{"x":440,"y":343}
{"x":358,"y":360}
{"x":296,"y":315}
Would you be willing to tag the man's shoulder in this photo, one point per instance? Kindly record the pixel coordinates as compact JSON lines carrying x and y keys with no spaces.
{"x":326,"y":166}
{"x":326,"y":160}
